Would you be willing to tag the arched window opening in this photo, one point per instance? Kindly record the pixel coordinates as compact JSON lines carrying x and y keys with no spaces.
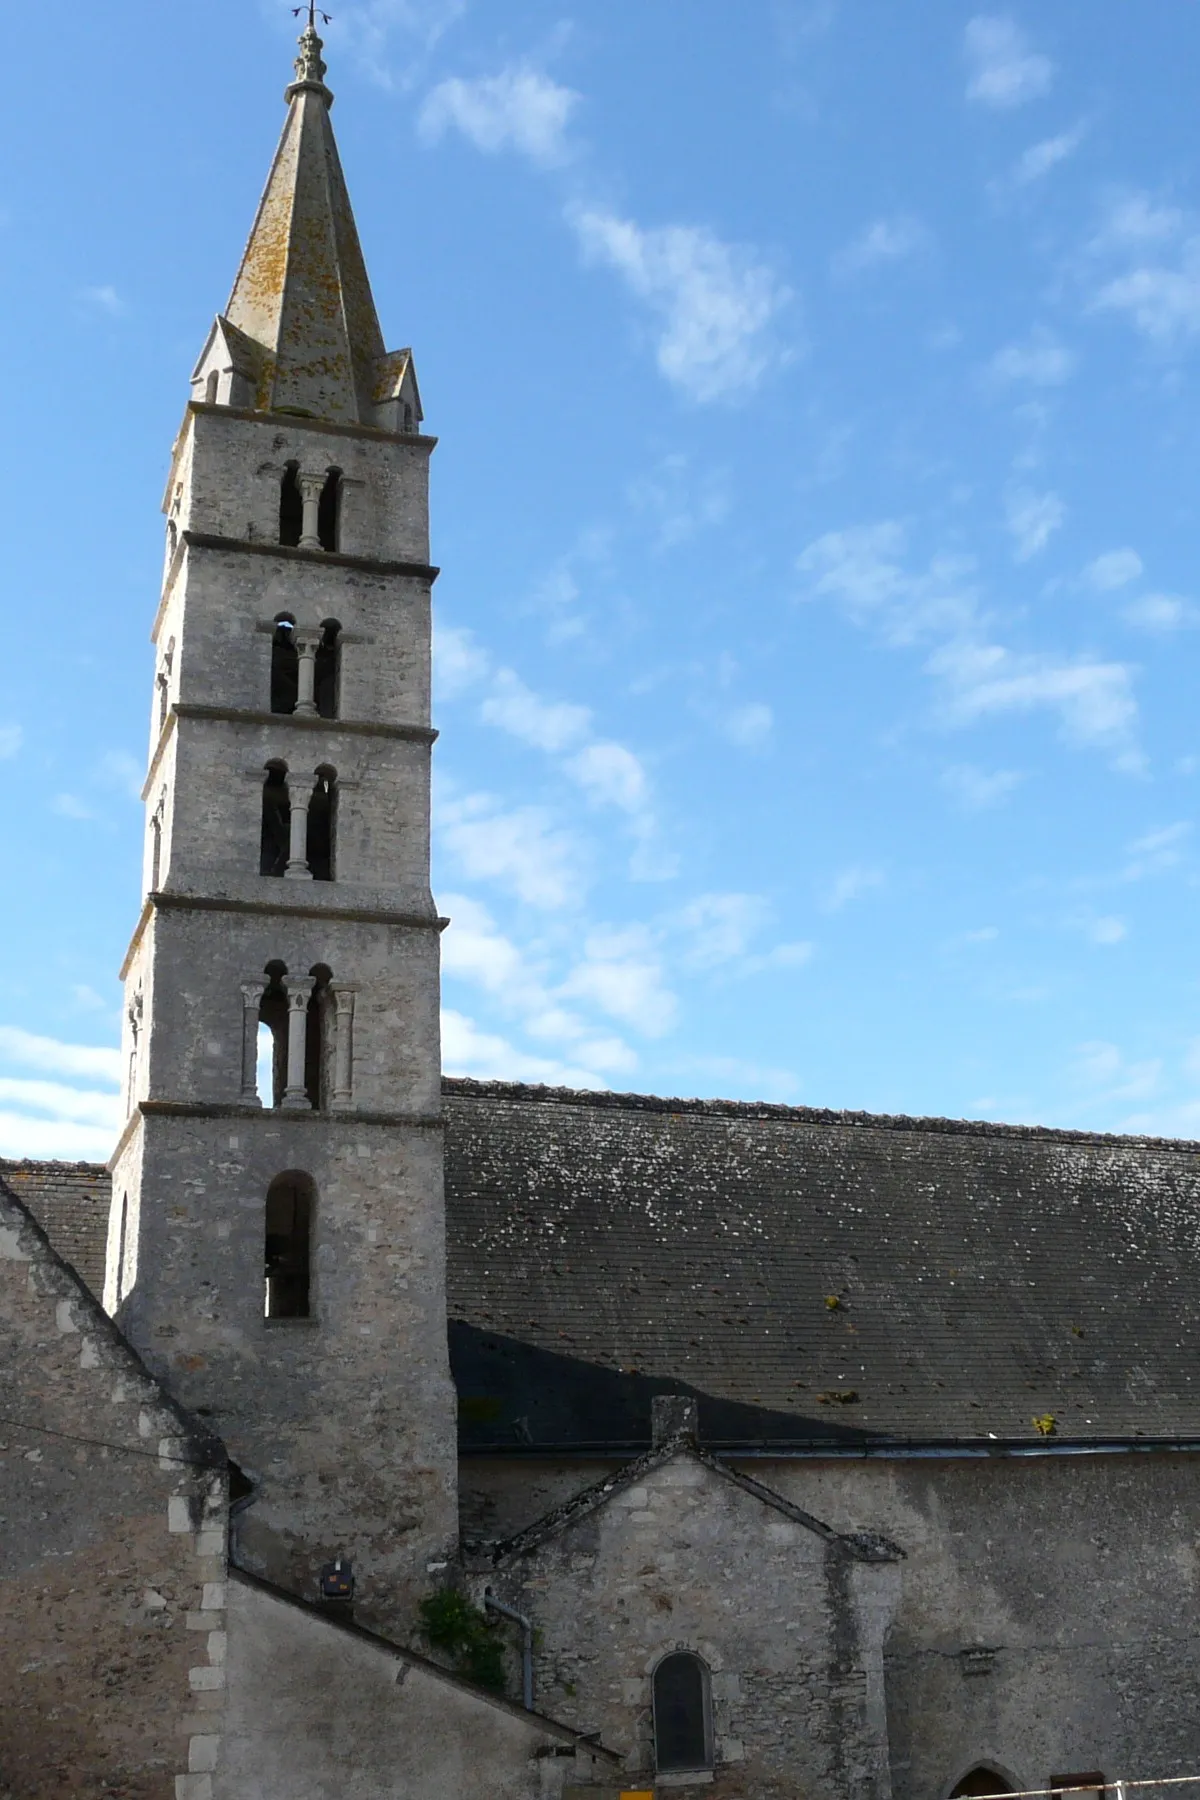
{"x":329,"y":670}
{"x":329,"y":510}
{"x":981,"y":1780}
{"x":289,"y":1220}
{"x":322,"y":822}
{"x":276,"y":821}
{"x":408,"y":416}
{"x":291,"y":506}
{"x":156,"y":835}
{"x":682,"y":1714}
{"x":285,"y":666}
{"x":318,"y":1039}
{"x":273,"y":1019}
{"x":172,"y":541}
{"x":211,"y":386}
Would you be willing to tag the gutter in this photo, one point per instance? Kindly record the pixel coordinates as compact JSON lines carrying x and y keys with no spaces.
{"x":977,"y":1449}
{"x":526,"y":1624}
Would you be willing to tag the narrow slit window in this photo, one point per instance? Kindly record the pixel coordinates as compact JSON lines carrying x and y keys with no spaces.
{"x":291,"y":506}
{"x":317,"y":1040}
{"x":211,"y":386}
{"x":328,"y":677}
{"x":272,"y":1048}
{"x":329,"y":511}
{"x":682,"y":1728}
{"x":287,"y":1259}
{"x":285,"y":666}
{"x":276,"y":821}
{"x":322,"y":821}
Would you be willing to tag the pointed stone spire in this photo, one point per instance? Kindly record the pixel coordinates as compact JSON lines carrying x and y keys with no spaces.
{"x":302,"y":296}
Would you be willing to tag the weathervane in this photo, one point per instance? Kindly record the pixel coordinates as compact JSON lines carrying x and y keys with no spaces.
{"x":314,"y":13}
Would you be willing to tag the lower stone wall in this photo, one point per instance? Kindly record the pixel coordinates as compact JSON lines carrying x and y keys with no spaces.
{"x":112,"y":1552}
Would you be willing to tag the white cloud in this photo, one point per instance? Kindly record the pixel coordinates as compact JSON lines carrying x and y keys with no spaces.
{"x":1032,"y":520}
{"x":1115,"y":569}
{"x":547,"y":725}
{"x":519,"y":109}
{"x":883,"y":241}
{"x":862,"y":569}
{"x":622,"y":974}
{"x":1039,"y":159}
{"x":1156,"y":852}
{"x":57,"y":1139}
{"x":467,"y":1050}
{"x":11,"y":739}
{"x":72,"y":1105}
{"x":721,"y":927}
{"x":850,"y":884}
{"x":458,"y":661}
{"x":1003,"y":71}
{"x":54,"y":1058}
{"x":715,"y":301}
{"x":1158,"y":289}
{"x":70,"y":806}
{"x":749,"y":726}
{"x":975,"y":790}
{"x":1110,"y":930}
{"x":611,"y":775}
{"x":104,"y":300}
{"x":1161,"y":613}
{"x":1041,"y":361}
{"x":118,"y":769}
{"x":1094,"y":700}
{"x":520,"y":848}
{"x":682,"y":500}
{"x":1101,"y":1067}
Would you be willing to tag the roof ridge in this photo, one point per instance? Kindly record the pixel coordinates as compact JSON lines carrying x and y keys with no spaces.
{"x":605,"y":1098}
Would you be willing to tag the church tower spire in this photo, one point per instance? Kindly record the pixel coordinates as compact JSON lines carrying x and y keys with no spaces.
{"x":276,"y":1242}
{"x":301,"y":331}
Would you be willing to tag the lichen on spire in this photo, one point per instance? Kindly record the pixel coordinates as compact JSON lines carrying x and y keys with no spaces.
{"x":302,"y":304}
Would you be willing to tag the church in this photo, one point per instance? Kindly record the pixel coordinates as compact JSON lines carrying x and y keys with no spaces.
{"x":372,"y":1434}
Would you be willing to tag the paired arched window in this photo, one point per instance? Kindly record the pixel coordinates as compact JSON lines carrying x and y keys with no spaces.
{"x":682,"y":1714}
{"x":297,"y":1045}
{"x":310,"y":515}
{"x":290,"y":1213}
{"x":306,"y":667}
{"x":298,"y":837}
{"x":328,"y":671}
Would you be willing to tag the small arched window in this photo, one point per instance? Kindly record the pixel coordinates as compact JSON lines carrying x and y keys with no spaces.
{"x":682,"y":1714}
{"x":322,"y":825}
{"x":290,"y":1210}
{"x":285,"y":665}
{"x":276,"y":821}
{"x":291,"y":506}
{"x":328,"y":675}
{"x":211,"y":386}
{"x":329,"y":511}
{"x":318,"y":1039}
{"x":273,"y":1036}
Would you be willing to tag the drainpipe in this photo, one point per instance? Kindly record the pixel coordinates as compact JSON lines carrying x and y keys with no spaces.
{"x":509,"y":1612}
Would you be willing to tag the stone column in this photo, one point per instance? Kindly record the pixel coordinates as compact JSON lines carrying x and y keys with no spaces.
{"x":310,"y":494}
{"x":343,"y":1053}
{"x":299,"y":991}
{"x":300,"y":793}
{"x":252,"y":993}
{"x":307,"y":644}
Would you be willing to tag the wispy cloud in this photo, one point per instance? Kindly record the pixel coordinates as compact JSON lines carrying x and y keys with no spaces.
{"x":546,"y":725}
{"x":621,"y":974}
{"x":486,"y":1056}
{"x":1039,"y":361}
{"x":105,"y":300}
{"x":850,"y":884}
{"x":1157,"y":281}
{"x":1114,"y":569}
{"x":1037,"y":162}
{"x":715,"y":302}
{"x":523,"y":849}
{"x":749,"y":726}
{"x":30,"y":1051}
{"x":883,"y":241}
{"x":11,"y":739}
{"x":1161,"y":613}
{"x":1002,"y":69}
{"x":519,"y":109}
{"x":40,"y":1117}
{"x":1093,"y":699}
{"x":1032,"y":520}
{"x":977,"y":790}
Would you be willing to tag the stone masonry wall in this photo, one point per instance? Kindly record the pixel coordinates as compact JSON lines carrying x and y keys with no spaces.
{"x":112,"y":1552}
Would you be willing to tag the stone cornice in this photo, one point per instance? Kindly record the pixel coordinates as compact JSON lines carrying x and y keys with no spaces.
{"x":325,"y":559}
{"x":330,"y":427}
{"x":274,"y":1115}
{"x":346,"y":915}
{"x":238,"y":715}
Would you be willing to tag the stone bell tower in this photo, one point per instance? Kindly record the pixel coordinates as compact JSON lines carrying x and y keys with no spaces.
{"x":276,"y":1241}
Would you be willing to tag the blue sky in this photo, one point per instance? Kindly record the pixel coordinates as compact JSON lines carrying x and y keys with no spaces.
{"x":816,"y":386}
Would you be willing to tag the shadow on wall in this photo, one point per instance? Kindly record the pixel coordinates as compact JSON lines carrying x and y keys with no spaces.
{"x":513,"y":1395}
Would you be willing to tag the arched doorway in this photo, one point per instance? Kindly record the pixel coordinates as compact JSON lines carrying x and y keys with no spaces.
{"x":982,"y":1779}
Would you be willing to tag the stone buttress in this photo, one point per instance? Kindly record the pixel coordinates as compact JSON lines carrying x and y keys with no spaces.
{"x":276,"y":1239}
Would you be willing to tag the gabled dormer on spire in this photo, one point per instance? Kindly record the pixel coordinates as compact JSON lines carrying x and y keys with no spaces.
{"x":300,"y":334}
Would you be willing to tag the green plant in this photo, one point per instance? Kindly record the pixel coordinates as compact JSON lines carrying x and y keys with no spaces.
{"x":1046,"y":1425}
{"x":464,"y":1633}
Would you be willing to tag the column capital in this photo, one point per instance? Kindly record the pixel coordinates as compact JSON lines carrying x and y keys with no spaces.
{"x":253,"y":989}
{"x":299,"y":990}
